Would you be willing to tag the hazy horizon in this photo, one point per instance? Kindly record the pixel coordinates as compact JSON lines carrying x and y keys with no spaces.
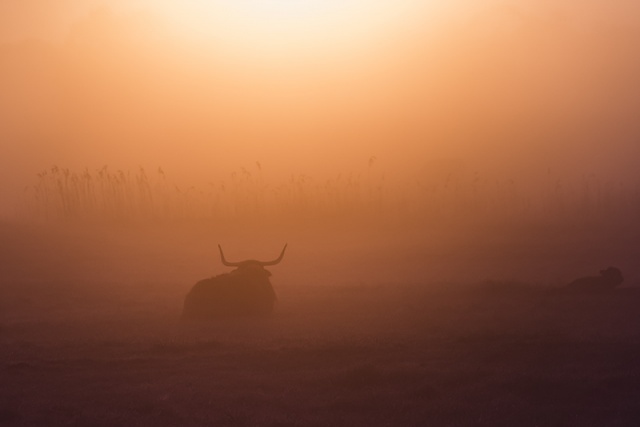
{"x":516,"y":91}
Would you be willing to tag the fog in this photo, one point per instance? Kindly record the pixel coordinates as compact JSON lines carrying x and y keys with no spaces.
{"x":439,"y":172}
{"x":402,"y":118}
{"x":511,"y":89}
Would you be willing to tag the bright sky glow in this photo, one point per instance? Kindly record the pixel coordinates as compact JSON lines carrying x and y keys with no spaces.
{"x":267,"y":27}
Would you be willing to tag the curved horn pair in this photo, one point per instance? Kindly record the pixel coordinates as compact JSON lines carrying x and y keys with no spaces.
{"x":262,"y":263}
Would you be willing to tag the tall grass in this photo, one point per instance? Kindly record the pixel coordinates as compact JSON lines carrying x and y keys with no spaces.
{"x":102,"y":195}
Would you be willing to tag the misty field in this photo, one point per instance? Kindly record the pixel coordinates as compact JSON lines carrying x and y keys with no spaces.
{"x":438,"y":172}
{"x":430,"y":329}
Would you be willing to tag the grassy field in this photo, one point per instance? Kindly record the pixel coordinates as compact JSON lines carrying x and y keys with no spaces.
{"x":447,"y":332}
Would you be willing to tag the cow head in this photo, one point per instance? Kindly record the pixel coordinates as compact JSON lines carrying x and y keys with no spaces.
{"x":251,"y":266}
{"x":612,"y":275}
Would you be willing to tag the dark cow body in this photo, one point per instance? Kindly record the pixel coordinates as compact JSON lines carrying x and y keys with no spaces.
{"x":245,"y":292}
{"x":608,"y":280}
{"x":239,"y":293}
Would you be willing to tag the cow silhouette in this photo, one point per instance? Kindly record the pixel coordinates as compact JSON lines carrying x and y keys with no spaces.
{"x":608,"y":280}
{"x":244,"y":292}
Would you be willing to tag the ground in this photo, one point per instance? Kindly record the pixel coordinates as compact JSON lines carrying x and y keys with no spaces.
{"x":90,"y":335}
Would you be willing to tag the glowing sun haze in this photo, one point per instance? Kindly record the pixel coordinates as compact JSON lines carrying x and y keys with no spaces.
{"x":287,"y":27}
{"x":318,"y":87}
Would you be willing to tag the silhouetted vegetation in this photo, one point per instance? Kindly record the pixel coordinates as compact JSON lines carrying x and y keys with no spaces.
{"x":105,"y":196}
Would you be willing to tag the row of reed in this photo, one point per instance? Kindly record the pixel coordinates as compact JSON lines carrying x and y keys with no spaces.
{"x":60,"y":194}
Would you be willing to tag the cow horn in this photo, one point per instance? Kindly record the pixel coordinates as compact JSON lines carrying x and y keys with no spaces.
{"x":275,"y":261}
{"x":225,"y":262}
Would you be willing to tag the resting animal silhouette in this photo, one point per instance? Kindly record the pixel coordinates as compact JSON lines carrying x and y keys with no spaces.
{"x":608,"y":279}
{"x":246,"y":291}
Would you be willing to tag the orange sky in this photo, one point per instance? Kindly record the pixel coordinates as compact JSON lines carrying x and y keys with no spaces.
{"x":513,"y":87}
